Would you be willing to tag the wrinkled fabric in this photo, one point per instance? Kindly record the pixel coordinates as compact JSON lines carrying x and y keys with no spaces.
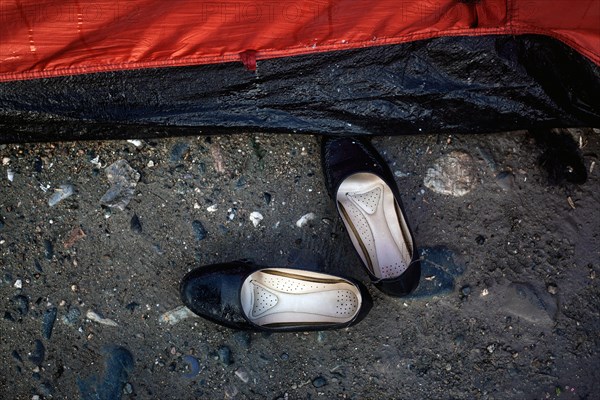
{"x":48,"y":38}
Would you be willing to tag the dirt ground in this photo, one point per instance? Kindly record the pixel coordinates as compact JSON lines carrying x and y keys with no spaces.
{"x":508,"y":306}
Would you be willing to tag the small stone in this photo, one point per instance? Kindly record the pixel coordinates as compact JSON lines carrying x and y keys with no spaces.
{"x":48,"y":249}
{"x":48,"y":322}
{"x":491,"y":348}
{"x":38,"y":354}
{"x":176,"y":315}
{"x":92,"y":316}
{"x":552,"y":288}
{"x":305,"y":219}
{"x":321,"y":336}
{"x":240,"y":182}
{"x":452,"y":174}
{"x":465,"y":290}
{"x":225,"y":355}
{"x":506,"y":180}
{"x":319,"y":382}
{"x":17,"y":356}
{"x":18,"y":284}
{"x":256,"y":217}
{"x":135,"y":224}
{"x":212,"y":208}
{"x":72,"y":316}
{"x":284,"y":356}
{"x":135,"y":142}
{"x":267,"y":196}
{"x":60,"y":193}
{"x":128,"y":389}
{"x":242,"y":374}
{"x":230,"y":391}
{"x":178,"y":152}
{"x":123,"y":180}
{"x":200,"y":232}
{"x":5,"y":161}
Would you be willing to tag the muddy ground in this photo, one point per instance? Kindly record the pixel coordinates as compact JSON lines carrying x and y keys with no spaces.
{"x":508,"y":307}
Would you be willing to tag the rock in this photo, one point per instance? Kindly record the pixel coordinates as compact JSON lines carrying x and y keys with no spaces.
{"x":200,"y":232}
{"x":135,"y":224}
{"x":128,"y":389}
{"x":61,"y":193}
{"x":552,"y":288}
{"x":38,"y":354}
{"x":465,"y":291}
{"x":452,"y":174}
{"x":319,"y":382}
{"x":48,"y":249}
{"x":439,"y":267}
{"x":255,"y":218}
{"x":72,"y":316}
{"x":305,"y":219}
{"x":225,"y":355}
{"x":178,"y":151}
{"x":231,"y":391}
{"x":240,"y":182}
{"x":123,"y":180}
{"x":267,"y":196}
{"x":118,"y":365}
{"x":93,"y":316}
{"x":48,"y":322}
{"x":176,"y":315}
{"x":506,"y":180}
{"x":242,"y":374}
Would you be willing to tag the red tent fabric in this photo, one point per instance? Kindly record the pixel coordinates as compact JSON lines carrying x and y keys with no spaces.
{"x":48,"y":38}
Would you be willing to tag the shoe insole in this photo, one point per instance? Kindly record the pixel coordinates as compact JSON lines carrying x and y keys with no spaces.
{"x":376,"y":225}
{"x":288,"y":297}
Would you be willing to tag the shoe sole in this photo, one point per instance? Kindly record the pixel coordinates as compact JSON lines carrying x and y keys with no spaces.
{"x":376,"y":225}
{"x":286,"y":297}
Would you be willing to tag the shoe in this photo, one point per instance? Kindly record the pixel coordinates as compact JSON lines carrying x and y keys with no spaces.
{"x":368,"y":201}
{"x":241,"y":295}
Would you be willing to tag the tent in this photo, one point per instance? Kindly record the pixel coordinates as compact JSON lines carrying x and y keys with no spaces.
{"x":98,"y":68}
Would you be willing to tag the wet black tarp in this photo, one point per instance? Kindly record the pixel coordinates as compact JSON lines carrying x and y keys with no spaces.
{"x":443,"y":85}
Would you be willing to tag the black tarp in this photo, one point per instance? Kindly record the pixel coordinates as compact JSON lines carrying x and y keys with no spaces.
{"x":444,"y":85}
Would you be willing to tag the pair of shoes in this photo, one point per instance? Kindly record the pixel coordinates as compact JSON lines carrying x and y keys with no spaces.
{"x":241,"y":295}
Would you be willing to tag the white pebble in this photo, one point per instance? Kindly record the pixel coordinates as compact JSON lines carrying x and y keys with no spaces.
{"x":10,"y":174}
{"x":135,"y":142}
{"x":5,"y":161}
{"x":92,"y":316}
{"x":18,"y":284}
{"x":256,"y":217}
{"x":305,"y":219}
{"x":212,"y":208}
